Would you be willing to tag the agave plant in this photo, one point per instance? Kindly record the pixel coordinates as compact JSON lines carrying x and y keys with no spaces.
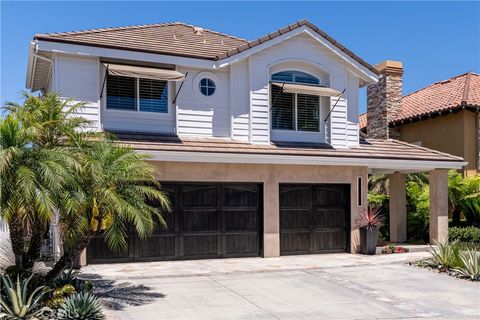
{"x":371,"y":218}
{"x":17,"y":303}
{"x":446,"y":255}
{"x":471,"y":264}
{"x":80,"y":306}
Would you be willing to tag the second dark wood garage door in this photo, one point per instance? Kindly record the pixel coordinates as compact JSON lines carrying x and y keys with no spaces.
{"x":314,"y":218}
{"x":208,"y":221}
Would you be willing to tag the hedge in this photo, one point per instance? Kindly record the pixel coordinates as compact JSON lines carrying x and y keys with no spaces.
{"x":467,"y":234}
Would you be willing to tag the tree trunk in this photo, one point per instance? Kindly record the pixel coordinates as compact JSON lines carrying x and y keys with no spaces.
{"x":69,"y":256}
{"x":33,"y":253}
{"x":16,"y":237}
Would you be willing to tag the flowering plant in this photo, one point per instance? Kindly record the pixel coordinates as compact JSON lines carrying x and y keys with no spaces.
{"x":393,"y":249}
{"x":371,"y":218}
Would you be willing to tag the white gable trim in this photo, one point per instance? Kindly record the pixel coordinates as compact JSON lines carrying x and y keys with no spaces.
{"x":362,"y":71}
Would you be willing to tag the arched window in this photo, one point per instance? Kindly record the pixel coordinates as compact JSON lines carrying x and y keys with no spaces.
{"x":295,"y":77}
{"x":292,"y":111}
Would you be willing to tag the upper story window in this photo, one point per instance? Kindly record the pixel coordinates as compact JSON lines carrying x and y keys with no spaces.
{"x":207,"y":87}
{"x":137,"y":94}
{"x":295,"y":77}
{"x":294,"y":111}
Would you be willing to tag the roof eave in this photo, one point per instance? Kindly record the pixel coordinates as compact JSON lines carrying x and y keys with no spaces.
{"x":30,"y":64}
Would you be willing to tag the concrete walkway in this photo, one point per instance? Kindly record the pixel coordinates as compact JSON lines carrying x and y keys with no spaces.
{"x":332,"y":286}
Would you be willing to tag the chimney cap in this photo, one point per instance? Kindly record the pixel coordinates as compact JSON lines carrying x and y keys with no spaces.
{"x":390,"y":67}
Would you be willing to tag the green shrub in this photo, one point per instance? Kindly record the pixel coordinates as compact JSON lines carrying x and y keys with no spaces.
{"x":470,"y":264}
{"x":467,"y":234}
{"x":80,"y":306}
{"x":446,"y":255}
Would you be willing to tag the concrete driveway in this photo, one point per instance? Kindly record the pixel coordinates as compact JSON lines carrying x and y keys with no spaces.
{"x":338,"y":286}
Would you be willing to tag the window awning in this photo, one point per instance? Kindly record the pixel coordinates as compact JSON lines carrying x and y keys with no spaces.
{"x":307,"y":89}
{"x":144,"y":72}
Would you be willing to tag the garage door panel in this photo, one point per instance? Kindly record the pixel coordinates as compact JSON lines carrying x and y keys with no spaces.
{"x":199,"y":196}
{"x":240,"y":196}
{"x":241,"y":220}
{"x":295,"y":242}
{"x":295,"y":196}
{"x":98,"y":252}
{"x":201,"y":245}
{"x":294,"y":219}
{"x":158,"y":246}
{"x":329,"y":196}
{"x":329,"y":218}
{"x":199,"y":220}
{"x":241,"y":244}
{"x":330,"y":241}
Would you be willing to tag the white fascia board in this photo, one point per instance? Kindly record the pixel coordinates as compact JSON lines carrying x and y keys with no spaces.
{"x":393,"y":164}
{"x":363,"y":72}
{"x":30,"y":71}
{"x":92,"y":51}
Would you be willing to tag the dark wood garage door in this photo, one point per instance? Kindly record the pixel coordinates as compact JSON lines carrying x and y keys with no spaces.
{"x":208,"y":221}
{"x":314,"y":218}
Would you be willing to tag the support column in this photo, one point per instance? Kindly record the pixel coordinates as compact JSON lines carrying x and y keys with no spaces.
{"x":271,"y":219}
{"x":398,"y":208}
{"x":438,"y":185}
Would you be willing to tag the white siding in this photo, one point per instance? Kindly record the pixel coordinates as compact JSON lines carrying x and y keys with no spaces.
{"x":198,"y":115}
{"x":338,"y":122}
{"x":79,"y":78}
{"x":240,"y":101}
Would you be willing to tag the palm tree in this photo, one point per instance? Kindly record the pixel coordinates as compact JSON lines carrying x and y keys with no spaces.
{"x":30,"y":178}
{"x":44,"y":135}
{"x":117,"y":185}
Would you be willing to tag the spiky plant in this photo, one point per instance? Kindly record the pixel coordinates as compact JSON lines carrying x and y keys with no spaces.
{"x":80,"y":306}
{"x":16,"y":303}
{"x":371,"y":218}
{"x":470,"y":264}
{"x":446,"y":255}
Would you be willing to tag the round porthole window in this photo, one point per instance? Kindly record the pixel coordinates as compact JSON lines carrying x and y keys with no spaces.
{"x":207,"y":86}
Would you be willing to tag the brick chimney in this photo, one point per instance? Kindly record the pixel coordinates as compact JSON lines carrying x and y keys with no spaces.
{"x":384,"y":100}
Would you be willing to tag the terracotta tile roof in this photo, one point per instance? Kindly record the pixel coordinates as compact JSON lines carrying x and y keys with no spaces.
{"x":462,"y":91}
{"x":369,"y":148}
{"x":179,"y":39}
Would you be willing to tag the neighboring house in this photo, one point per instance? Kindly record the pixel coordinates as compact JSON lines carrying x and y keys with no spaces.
{"x":444,"y":116}
{"x":257,"y":142}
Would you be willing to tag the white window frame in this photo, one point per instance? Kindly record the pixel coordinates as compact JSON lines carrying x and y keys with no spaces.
{"x":137,"y":107}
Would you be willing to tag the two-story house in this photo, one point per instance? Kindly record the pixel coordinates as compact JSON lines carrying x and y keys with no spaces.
{"x":257,"y":142}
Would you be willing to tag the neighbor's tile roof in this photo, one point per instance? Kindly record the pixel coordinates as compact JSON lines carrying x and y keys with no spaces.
{"x":454,"y":93}
{"x":178,"y":39}
{"x":369,"y":148}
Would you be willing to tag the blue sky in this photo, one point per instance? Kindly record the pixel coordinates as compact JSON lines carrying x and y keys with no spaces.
{"x":434,"y":40}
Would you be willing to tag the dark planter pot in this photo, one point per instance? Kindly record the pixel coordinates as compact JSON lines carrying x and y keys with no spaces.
{"x":368,"y":240}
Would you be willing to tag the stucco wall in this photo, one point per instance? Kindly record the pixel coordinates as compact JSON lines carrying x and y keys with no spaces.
{"x":454,"y":134}
{"x":271,"y":176}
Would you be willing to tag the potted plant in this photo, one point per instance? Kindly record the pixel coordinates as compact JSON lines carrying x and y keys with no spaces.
{"x":370,"y":222}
